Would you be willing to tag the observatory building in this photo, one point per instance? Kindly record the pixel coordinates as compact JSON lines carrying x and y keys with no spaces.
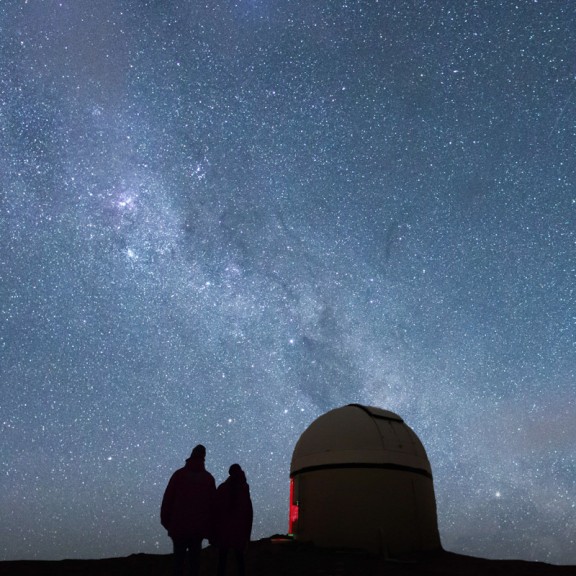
{"x":360,"y":478}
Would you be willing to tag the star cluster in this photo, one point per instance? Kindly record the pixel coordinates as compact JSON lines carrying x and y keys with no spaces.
{"x":219,"y":220}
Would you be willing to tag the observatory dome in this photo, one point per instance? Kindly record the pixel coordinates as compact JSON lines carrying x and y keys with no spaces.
{"x":360,"y":478}
{"x":356,"y":434}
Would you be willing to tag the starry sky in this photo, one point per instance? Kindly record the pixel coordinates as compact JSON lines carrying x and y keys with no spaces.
{"x":220,"y":219}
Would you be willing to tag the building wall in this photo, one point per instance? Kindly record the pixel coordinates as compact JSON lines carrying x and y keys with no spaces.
{"x":385,"y":511}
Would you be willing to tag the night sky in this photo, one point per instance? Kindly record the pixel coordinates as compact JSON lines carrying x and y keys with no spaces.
{"x":220,"y":219}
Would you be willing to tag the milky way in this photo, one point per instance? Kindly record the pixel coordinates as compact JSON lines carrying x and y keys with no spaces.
{"x":220,"y":219}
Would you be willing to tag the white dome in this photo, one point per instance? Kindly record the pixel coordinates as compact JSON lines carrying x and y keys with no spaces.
{"x":358,"y":436}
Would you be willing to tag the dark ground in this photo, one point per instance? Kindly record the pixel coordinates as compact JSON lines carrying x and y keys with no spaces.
{"x":279,"y":557}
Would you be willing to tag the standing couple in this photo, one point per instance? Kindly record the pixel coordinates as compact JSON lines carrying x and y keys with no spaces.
{"x":194,"y":509}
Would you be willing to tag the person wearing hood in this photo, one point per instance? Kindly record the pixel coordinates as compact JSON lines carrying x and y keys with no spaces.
{"x":187,"y":510}
{"x":234,"y":515}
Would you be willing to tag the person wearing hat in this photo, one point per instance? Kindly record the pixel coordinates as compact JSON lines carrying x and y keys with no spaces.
{"x":188,"y":509}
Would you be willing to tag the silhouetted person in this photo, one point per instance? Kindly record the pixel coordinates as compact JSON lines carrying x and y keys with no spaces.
{"x":188,"y":509}
{"x":234,"y":516}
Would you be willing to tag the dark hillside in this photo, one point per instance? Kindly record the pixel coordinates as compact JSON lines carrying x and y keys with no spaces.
{"x":271,"y":557}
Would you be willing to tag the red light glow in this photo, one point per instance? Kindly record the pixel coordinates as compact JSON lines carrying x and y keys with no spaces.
{"x":293,"y":514}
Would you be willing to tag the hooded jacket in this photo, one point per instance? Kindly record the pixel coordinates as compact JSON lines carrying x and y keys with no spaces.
{"x":188,"y":504}
{"x":234,"y":512}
